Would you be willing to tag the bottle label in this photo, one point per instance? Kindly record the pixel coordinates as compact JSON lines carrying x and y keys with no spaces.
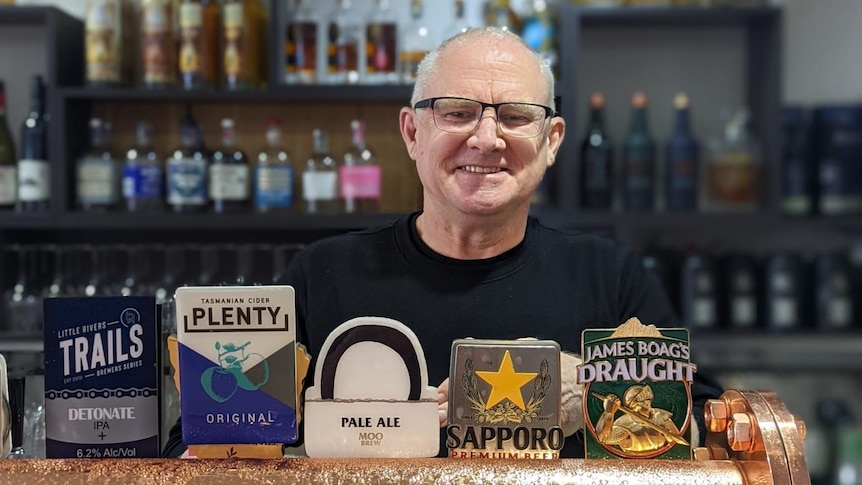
{"x":319,"y":185}
{"x":273,"y":187}
{"x":103,"y":36}
{"x":8,"y":185}
{"x":142,"y":182}
{"x":743,"y":311}
{"x":187,"y":181}
{"x":228,"y":182}
{"x":840,"y":312}
{"x":157,"y":43}
{"x":191,"y":47}
{"x":360,"y":182}
{"x":784,"y":313}
{"x":301,"y":50}
{"x":233,"y":39}
{"x":96,"y":181}
{"x":380,"y":48}
{"x":703,"y":313}
{"x":34,"y":180}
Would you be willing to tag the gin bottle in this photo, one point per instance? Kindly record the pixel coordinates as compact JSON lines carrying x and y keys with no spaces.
{"x":143,"y":180}
{"x":228,"y":173}
{"x":274,"y":175}
{"x":187,"y":170}
{"x":359,"y":175}
{"x":320,"y":178}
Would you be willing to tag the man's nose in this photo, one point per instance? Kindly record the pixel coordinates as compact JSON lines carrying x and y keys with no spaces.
{"x":488,"y":131}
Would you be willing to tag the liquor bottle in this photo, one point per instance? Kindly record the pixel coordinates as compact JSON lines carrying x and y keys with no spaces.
{"x":740,"y":310}
{"x":798,"y":178}
{"x":417,"y":41}
{"x":244,"y":34}
{"x":320,"y":178}
{"x":639,"y":160}
{"x":732,"y":175}
{"x":784,"y":292}
{"x":597,"y":160}
{"x":157,"y":46}
{"x":359,"y":175}
{"x":499,"y":13}
{"x":301,"y":49}
{"x":96,"y":180}
{"x":198,"y":46}
{"x":274,"y":175}
{"x":839,"y":147}
{"x":538,"y":31}
{"x":8,"y":167}
{"x":681,"y":161}
{"x":187,"y":166}
{"x":381,"y":45}
{"x":699,"y":292}
{"x":34,"y":170}
{"x":143,"y":177}
{"x":833,"y":281}
{"x":107,"y":42}
{"x":345,"y":42}
{"x":228,"y":173}
{"x":459,"y":22}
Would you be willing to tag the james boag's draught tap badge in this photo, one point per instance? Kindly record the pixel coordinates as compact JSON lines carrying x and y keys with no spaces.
{"x":237,"y":352}
{"x":504,"y":399}
{"x":637,"y":395}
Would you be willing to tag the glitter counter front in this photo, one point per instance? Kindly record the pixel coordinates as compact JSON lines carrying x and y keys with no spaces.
{"x":751,"y":439}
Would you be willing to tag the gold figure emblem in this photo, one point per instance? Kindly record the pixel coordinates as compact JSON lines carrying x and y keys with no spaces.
{"x":641,"y":427}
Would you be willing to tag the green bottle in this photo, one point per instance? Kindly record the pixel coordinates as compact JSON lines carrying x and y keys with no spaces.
{"x":8,"y":161}
{"x":639,"y":160}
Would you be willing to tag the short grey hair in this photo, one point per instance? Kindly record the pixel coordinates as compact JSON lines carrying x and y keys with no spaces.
{"x":429,"y":63}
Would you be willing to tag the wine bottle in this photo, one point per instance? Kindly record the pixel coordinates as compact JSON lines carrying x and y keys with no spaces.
{"x":597,"y":160}
{"x":34,"y":171}
{"x":681,"y":161}
{"x":639,"y":160}
{"x":8,"y":167}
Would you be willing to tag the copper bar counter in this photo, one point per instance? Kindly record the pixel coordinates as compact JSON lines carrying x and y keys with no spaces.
{"x":375,"y":471}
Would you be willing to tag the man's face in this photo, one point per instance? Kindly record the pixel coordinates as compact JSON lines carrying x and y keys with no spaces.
{"x":484,"y":171}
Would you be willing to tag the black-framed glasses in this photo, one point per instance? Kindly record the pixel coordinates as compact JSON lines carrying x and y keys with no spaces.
{"x":462,"y":115}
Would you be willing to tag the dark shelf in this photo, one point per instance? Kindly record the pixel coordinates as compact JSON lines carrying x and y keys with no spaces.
{"x":317,"y":93}
{"x":12,"y":15}
{"x":772,"y":352}
{"x":118,"y":221}
{"x":674,"y":16}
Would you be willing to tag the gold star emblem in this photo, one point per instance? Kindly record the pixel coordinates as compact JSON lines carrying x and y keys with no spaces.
{"x":506,"y":383}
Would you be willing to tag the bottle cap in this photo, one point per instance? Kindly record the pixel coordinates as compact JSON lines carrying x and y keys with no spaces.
{"x":639,"y":100}
{"x":680,"y":101}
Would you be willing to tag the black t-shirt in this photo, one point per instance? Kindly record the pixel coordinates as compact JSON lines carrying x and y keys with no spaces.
{"x":553,"y":285}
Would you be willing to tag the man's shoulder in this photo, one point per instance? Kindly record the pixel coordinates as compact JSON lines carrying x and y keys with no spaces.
{"x":350,"y":243}
{"x":577,"y":239}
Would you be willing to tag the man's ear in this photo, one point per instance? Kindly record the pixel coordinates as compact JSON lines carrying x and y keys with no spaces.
{"x":407,"y":124}
{"x":555,"y":138}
